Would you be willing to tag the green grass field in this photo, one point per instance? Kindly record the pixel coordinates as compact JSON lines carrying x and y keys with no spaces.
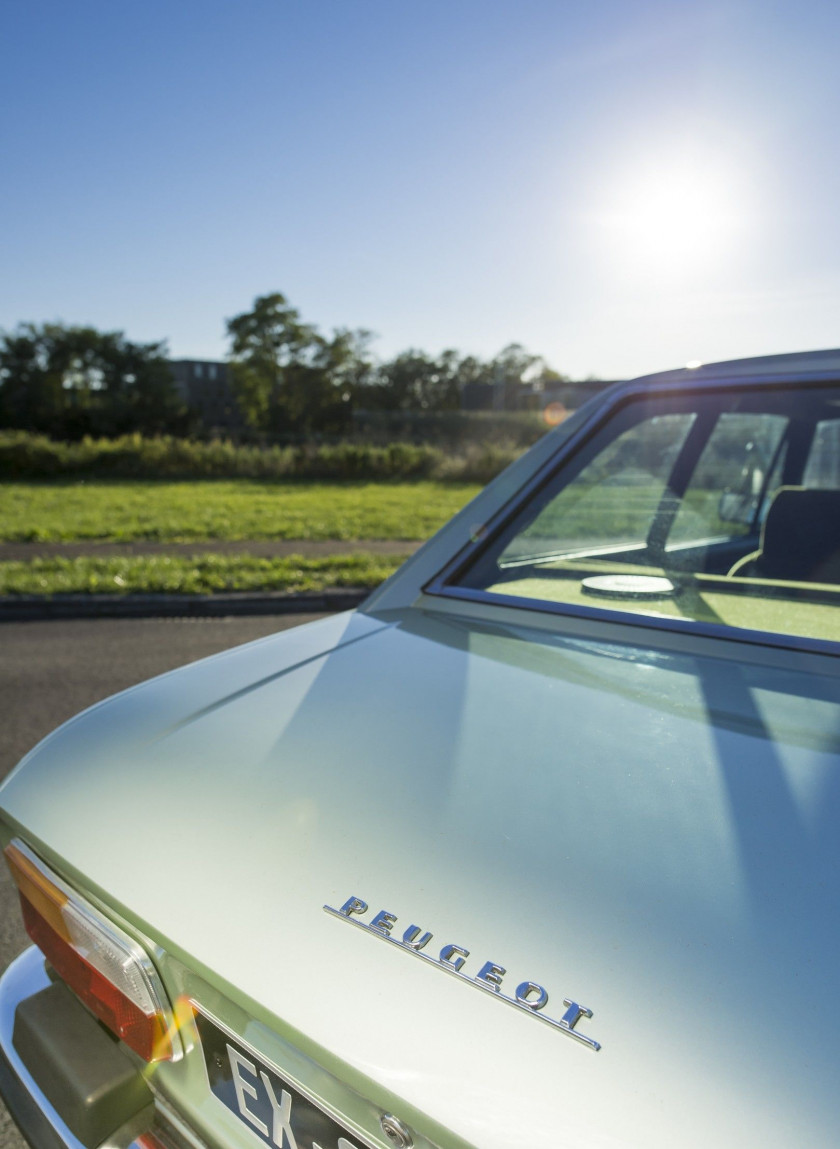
{"x":206,"y":574}
{"x":596,"y":514}
{"x":226,"y":509}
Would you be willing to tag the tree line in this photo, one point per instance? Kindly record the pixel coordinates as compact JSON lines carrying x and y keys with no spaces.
{"x":285,"y":376}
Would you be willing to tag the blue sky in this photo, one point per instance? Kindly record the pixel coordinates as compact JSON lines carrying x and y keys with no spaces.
{"x":621,"y":185}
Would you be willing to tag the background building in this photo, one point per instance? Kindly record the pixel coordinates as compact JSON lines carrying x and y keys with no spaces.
{"x":205,"y":386}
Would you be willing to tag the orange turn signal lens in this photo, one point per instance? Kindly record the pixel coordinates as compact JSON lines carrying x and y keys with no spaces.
{"x":44,"y":897}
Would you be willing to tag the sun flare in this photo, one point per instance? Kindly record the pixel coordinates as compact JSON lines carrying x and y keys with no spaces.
{"x":673,"y":219}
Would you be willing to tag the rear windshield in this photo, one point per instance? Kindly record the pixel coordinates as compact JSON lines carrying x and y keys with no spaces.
{"x":714,"y":507}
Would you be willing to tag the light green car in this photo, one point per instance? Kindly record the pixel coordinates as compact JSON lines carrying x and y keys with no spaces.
{"x":537,"y":848}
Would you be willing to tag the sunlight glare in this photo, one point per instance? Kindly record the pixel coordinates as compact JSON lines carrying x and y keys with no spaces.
{"x":674,"y":219}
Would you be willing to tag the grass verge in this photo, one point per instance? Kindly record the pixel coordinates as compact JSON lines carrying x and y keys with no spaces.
{"x":209,"y":574}
{"x":122,"y":511}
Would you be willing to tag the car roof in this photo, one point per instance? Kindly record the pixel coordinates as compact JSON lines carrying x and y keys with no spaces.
{"x":799,"y":366}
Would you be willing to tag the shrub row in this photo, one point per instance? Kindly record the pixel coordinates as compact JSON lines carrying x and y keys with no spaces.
{"x":450,"y":429}
{"x":29,"y":456}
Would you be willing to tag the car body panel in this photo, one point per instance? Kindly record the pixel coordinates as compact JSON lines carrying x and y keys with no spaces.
{"x":648,"y":832}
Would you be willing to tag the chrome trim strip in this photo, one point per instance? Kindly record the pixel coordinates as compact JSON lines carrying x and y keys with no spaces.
{"x":566,"y":1024}
{"x":649,"y":621}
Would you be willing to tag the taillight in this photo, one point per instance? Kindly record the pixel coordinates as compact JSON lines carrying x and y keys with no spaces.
{"x":106,"y":968}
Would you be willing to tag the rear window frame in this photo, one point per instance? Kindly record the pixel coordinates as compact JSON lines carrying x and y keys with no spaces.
{"x":442,"y":585}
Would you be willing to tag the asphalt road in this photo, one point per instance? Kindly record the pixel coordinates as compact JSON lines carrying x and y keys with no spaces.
{"x":51,"y":670}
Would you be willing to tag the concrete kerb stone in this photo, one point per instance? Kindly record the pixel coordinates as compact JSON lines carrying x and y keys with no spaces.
{"x":19,"y":608}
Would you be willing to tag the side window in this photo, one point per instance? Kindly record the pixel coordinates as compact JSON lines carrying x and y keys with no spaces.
{"x":731,"y":476}
{"x":613,"y":501}
{"x":823,"y":466}
{"x":718,"y":506}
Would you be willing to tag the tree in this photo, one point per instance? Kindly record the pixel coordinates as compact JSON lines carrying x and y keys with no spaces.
{"x":513,"y":369}
{"x":289,"y":377}
{"x":70,"y":381}
{"x":415,"y":381}
{"x":31,"y":378}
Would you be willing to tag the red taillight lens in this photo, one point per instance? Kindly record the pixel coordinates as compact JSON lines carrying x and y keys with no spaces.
{"x":147,"y":1141}
{"x":104,"y":966}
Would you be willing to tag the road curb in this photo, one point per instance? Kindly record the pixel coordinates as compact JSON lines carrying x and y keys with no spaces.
{"x":21,"y":608}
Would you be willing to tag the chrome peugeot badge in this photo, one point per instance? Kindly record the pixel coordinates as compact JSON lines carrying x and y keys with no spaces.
{"x":529,"y":996}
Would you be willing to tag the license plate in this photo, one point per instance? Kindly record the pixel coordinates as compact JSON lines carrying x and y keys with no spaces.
{"x":262,"y":1098}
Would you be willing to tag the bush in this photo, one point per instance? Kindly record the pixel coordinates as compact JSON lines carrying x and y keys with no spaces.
{"x":30,"y":456}
{"x":452,"y":430}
